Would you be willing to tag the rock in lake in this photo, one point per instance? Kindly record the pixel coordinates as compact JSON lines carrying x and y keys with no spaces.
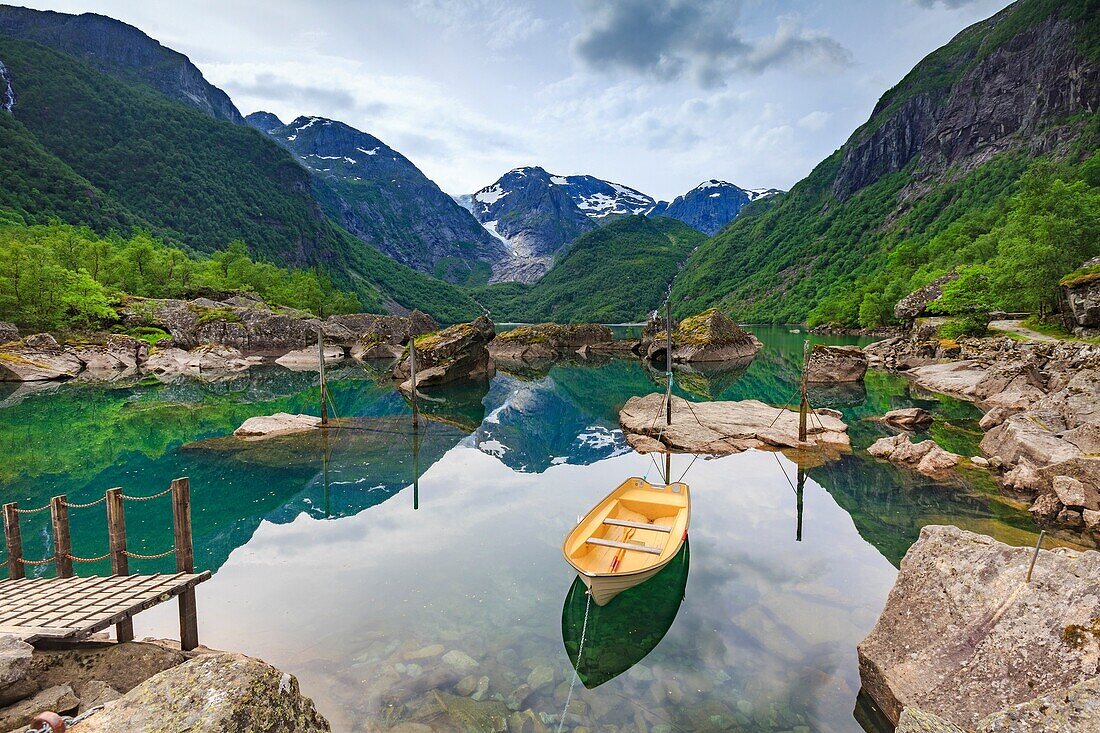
{"x":36,"y":358}
{"x":909,"y":418}
{"x":836,"y":364}
{"x":306,"y":360}
{"x":455,"y":353}
{"x":281,"y":423}
{"x":546,"y":340}
{"x":174,"y":362}
{"x":926,"y":457}
{"x":708,"y":336}
{"x":725,"y":427}
{"x":115,"y":353}
{"x":963,"y":636}
{"x":215,"y":693}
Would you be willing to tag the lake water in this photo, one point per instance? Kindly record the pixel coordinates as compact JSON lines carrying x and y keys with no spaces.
{"x":393,"y":602}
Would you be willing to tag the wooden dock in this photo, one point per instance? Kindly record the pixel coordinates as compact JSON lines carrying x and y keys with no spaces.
{"x":70,"y":608}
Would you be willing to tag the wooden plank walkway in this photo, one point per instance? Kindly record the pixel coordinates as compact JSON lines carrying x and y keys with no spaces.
{"x":75,"y":608}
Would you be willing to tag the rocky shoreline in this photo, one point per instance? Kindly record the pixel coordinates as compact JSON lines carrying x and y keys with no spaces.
{"x":1042,"y":420}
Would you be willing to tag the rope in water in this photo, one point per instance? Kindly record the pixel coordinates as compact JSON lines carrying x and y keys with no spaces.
{"x":580,"y":657}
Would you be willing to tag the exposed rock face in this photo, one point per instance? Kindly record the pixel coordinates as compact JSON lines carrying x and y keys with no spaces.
{"x":15,"y":665}
{"x":1081,"y":295}
{"x":725,"y":427}
{"x":710,"y":206}
{"x":123,"y":51}
{"x":546,"y":340}
{"x":836,"y":364}
{"x":37,"y":357}
{"x":8,"y":332}
{"x":381,"y":197}
{"x":281,"y":423}
{"x":963,"y":636}
{"x":116,"y":353}
{"x":707,"y":336}
{"x":1072,"y":710}
{"x":455,"y":353}
{"x":307,"y":359}
{"x":914,"y":305}
{"x":909,"y":418}
{"x":216,"y":693}
{"x":172,"y":362}
{"x":925,"y":457}
{"x":59,"y":699}
{"x":245,"y":324}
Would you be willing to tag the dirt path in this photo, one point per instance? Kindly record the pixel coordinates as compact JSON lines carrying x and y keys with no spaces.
{"x":1018,"y":328}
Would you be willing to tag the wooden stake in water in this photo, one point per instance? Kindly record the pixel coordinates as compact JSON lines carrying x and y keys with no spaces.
{"x":412,"y":375}
{"x":324,"y":386}
{"x":185,"y":561}
{"x":668,"y":387}
{"x":804,"y":405}
{"x":16,"y":569}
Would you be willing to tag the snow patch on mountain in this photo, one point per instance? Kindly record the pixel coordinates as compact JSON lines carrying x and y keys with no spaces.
{"x":490,"y":194}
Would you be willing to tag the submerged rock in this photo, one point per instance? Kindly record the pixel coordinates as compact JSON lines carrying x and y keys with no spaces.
{"x":725,"y":427}
{"x":908,"y":418}
{"x":925,"y":457}
{"x":215,"y":693}
{"x":836,"y":364}
{"x":36,"y":358}
{"x":455,"y":353}
{"x":707,"y":336}
{"x":962,"y":635}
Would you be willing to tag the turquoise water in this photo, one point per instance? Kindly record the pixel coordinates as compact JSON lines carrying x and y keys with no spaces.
{"x":394,"y":599}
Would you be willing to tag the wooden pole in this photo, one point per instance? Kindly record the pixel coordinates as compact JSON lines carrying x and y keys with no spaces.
{"x":1035,"y":556}
{"x":801,"y":486}
{"x":804,"y":405}
{"x":16,"y":569}
{"x":324,"y":386}
{"x":412,"y":377}
{"x":185,"y":561}
{"x":120,"y":564}
{"x":62,"y":542}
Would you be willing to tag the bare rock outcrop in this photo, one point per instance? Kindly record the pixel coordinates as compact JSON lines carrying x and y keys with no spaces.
{"x":925,"y":457}
{"x":113,"y":353}
{"x":308,"y":359}
{"x":455,"y":353}
{"x":705,"y":337}
{"x":281,"y":423}
{"x":725,"y":427}
{"x":547,"y":340}
{"x":216,"y":359}
{"x":244,"y":323}
{"x":1081,"y":295}
{"x":836,"y":364}
{"x":909,"y":418}
{"x":963,"y":636}
{"x":8,"y":332}
{"x":36,"y":358}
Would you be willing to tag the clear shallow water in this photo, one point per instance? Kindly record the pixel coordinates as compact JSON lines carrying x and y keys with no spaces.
{"x":363,"y":597}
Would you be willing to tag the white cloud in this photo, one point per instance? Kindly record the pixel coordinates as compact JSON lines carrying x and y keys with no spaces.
{"x":814,"y":121}
{"x":501,"y":23}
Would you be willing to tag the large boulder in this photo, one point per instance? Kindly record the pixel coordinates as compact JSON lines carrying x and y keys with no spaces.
{"x":37,"y":357}
{"x":113,"y":353}
{"x":456,"y":353}
{"x":217,"y":359}
{"x":242,"y":323}
{"x":216,"y":693}
{"x":725,"y":427}
{"x":8,"y":332}
{"x":309,"y":360}
{"x":705,"y":337}
{"x":962,"y":635}
{"x":909,"y":418}
{"x":915,"y":304}
{"x":281,"y":423}
{"x":546,"y":340}
{"x":836,"y":364}
{"x":374,"y":336}
{"x":15,"y":666}
{"x":1081,"y":294}
{"x":925,"y":457}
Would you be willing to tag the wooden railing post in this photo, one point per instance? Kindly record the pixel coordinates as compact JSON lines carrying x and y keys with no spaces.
{"x":120,"y":564}
{"x":62,"y":542}
{"x":185,"y":561}
{"x":804,"y":405}
{"x":16,"y":569}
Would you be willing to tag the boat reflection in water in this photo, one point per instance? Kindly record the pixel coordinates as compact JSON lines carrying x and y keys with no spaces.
{"x":622,"y":633}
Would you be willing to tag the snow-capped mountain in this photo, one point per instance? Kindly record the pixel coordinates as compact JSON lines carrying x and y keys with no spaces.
{"x":534,"y":216}
{"x":599,"y":199}
{"x":711,"y":205}
{"x":380,"y":196}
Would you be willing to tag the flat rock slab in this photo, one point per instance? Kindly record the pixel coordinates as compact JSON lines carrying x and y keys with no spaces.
{"x":721,"y":428}
{"x":281,"y":423}
{"x":963,"y":636}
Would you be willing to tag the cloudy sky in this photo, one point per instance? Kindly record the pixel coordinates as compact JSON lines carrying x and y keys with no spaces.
{"x":656,"y":94}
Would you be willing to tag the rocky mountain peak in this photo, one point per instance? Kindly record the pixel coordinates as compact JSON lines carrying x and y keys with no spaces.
{"x":264,"y":121}
{"x":711,"y":205}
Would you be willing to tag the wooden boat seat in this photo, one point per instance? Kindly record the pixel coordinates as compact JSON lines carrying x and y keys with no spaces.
{"x":624,"y":545}
{"x":637,"y":525}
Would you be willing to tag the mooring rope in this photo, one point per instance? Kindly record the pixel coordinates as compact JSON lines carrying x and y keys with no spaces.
{"x":580,"y":652}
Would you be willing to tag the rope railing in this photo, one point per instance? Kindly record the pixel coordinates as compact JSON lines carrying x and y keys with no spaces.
{"x":147,"y":498}
{"x":90,"y":504}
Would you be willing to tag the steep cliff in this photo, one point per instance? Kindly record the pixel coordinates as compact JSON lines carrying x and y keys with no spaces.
{"x":122,"y":51}
{"x":947,"y":144}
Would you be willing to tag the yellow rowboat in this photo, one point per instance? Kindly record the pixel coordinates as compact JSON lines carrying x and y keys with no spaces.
{"x":629,"y":536}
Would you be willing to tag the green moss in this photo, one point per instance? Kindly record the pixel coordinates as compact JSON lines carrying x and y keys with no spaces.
{"x":1083,"y":276}
{"x":214,"y":315}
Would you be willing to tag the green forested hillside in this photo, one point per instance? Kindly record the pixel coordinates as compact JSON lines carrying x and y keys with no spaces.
{"x":90,"y":149}
{"x":619,"y":272}
{"x":857,"y":234}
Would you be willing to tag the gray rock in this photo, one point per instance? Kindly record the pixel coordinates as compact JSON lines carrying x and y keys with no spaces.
{"x":547,"y":340}
{"x":306,"y":360}
{"x":926,"y":456}
{"x":1074,"y":493}
{"x":216,"y":693}
{"x":59,"y":699}
{"x":962,"y":636}
{"x":915,"y":720}
{"x":241,"y":323}
{"x":281,"y":423}
{"x":37,"y":358}
{"x":1073,"y":710}
{"x":541,"y":676}
{"x":93,"y":693}
{"x":8,"y":332}
{"x":836,"y":364}
{"x":459,"y":660}
{"x":1081,"y":296}
{"x":915,"y":304}
{"x":909,"y":417}
{"x":115,"y":353}
{"x":174,"y":362}
{"x":15,"y":665}
{"x":456,"y":353}
{"x":710,"y":336}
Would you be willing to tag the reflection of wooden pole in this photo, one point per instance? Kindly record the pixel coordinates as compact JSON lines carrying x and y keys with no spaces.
{"x":62,"y":544}
{"x":800,"y":486}
{"x":324,"y":387}
{"x":324,"y":467}
{"x":804,"y":406}
{"x":416,"y":459}
{"x":185,"y":561}
{"x":120,"y":564}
